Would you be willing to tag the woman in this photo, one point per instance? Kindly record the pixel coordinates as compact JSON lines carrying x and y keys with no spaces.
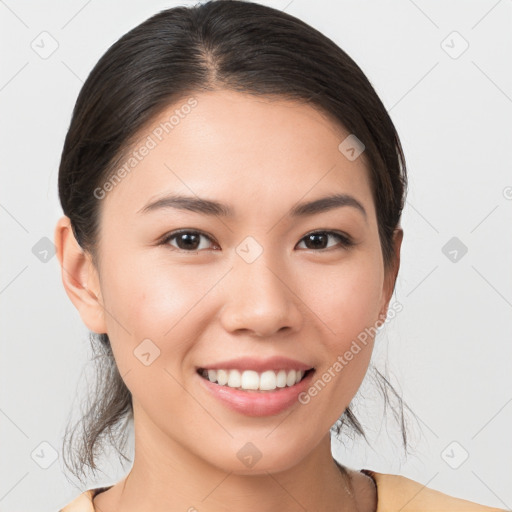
{"x":211,"y":150}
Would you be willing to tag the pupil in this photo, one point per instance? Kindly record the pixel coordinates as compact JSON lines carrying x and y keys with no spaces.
{"x":189,"y":240}
{"x":316,"y":235}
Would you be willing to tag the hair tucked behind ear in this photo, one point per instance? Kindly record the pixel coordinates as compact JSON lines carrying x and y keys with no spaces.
{"x":221,"y":44}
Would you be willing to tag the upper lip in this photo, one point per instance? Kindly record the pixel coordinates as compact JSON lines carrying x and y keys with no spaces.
{"x":259,"y":365}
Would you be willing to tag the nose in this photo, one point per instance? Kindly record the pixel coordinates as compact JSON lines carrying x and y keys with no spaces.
{"x":260,"y":300}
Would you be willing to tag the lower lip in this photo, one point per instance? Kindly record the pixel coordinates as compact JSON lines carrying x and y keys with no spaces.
{"x":255,"y":403}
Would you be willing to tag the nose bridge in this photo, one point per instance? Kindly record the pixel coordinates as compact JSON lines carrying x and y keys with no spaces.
{"x":260,"y":294}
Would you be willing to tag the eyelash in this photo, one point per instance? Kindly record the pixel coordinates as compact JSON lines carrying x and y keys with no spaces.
{"x":345,"y":241}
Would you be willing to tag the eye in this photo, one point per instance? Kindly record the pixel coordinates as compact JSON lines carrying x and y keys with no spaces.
{"x":317,"y":240}
{"x":190,"y":240}
{"x":186,"y":240}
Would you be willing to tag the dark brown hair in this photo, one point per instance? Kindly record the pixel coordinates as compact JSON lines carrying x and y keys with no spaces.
{"x":220,"y":44}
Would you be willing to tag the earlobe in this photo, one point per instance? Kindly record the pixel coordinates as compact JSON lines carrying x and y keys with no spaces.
{"x":79,"y":277}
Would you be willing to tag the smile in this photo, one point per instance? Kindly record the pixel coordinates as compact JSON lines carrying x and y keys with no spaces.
{"x":250,"y":380}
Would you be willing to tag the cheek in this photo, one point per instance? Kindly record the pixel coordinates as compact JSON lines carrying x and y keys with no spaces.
{"x":151,"y":296}
{"x":153,"y":319}
{"x":159,"y":301}
{"x":347,"y":300}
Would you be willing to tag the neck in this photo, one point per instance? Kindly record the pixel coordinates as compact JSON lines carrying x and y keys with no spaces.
{"x":167,"y":477}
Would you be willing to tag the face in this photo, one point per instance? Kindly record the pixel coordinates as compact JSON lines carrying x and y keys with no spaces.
{"x":262,"y":283}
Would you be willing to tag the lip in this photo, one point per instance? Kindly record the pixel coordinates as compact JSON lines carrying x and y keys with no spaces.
{"x":255,"y":403}
{"x":258,"y":365}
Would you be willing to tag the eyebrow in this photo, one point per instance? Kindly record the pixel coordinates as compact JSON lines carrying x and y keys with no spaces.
{"x":214,"y":208}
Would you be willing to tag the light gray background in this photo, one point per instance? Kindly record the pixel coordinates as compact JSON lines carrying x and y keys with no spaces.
{"x":449,"y":350}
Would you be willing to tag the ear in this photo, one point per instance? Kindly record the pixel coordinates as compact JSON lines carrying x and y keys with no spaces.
{"x":79,"y":277}
{"x":390,"y":278}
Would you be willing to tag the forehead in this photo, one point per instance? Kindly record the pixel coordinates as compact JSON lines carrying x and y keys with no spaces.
{"x":229,"y":145}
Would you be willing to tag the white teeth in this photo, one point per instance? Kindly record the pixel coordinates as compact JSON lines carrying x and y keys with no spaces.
{"x":251,"y":380}
{"x":281,"y":379}
{"x":234,"y":379}
{"x":268,"y":380}
{"x":290,"y":378}
{"x":222,"y":377}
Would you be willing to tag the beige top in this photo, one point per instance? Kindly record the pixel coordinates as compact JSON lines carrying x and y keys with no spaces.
{"x":394,"y":493}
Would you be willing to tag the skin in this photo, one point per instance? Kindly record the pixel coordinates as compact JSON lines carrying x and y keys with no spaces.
{"x":261,"y":156}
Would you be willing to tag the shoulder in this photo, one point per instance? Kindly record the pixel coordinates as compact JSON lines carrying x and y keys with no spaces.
{"x":396,"y":492}
{"x":83,"y":502}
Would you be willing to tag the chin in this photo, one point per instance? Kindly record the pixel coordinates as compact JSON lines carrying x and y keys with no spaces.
{"x":253,"y":458}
